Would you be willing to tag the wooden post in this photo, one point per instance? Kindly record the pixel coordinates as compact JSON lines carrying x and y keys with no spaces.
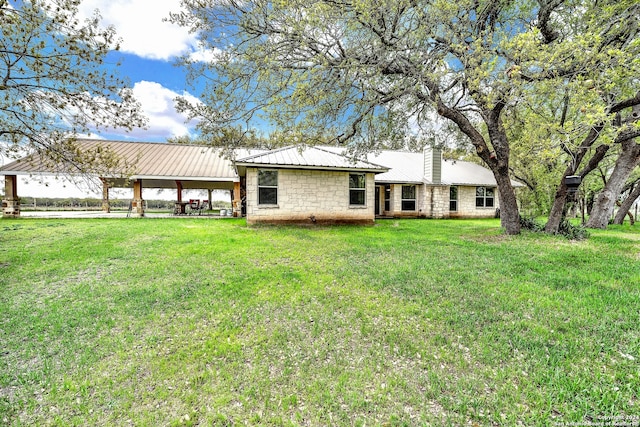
{"x":236,"y":202}
{"x":179,"y":191}
{"x":106,"y":206}
{"x":11,"y":201}
{"x":137,"y":204}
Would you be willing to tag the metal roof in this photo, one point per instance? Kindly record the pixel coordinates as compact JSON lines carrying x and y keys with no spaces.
{"x":407,"y":167}
{"x":161,"y":164}
{"x":309,"y":158}
{"x":146,"y":160}
{"x":404,"y":167}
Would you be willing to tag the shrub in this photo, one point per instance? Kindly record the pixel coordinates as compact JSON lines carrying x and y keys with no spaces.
{"x":572,"y":232}
{"x":529,"y":223}
{"x":566,"y":229}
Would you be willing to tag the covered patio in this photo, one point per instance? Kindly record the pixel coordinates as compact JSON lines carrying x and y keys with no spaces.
{"x":137,"y":165}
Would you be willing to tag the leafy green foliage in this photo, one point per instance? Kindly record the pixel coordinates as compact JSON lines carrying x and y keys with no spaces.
{"x":566,"y":229}
{"x":573,"y":232}
{"x":374,"y":73}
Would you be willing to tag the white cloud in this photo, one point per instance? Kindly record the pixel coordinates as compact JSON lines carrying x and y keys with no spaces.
{"x":141,"y":25}
{"x":159,"y":106}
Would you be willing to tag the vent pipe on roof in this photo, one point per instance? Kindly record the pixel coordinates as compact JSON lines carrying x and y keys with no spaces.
{"x":433,"y":164}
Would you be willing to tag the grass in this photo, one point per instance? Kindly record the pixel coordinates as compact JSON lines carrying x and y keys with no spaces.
{"x":417,"y":322}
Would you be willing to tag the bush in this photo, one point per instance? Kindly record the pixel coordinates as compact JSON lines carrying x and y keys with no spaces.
{"x":529,"y":223}
{"x":565,"y":229}
{"x":572,"y":232}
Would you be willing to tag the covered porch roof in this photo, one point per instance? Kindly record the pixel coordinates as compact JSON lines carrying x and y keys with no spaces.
{"x":158,"y":165}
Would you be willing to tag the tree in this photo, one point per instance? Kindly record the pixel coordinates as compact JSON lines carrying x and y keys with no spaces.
{"x":600,"y":138}
{"x":231,"y":138}
{"x":633,"y":195}
{"x":605,"y":202}
{"x":367,"y":72}
{"x":54,"y":82}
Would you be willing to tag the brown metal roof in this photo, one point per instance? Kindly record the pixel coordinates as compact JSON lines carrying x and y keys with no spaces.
{"x":147,"y":160}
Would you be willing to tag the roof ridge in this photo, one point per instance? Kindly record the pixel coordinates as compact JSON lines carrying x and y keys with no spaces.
{"x":253,"y":156}
{"x":323,"y":148}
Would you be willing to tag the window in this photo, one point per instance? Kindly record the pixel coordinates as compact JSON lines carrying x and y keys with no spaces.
{"x":357,"y":189}
{"x":408,"y":197}
{"x":267,"y":187}
{"x":484,"y":197}
{"x":453,"y":199}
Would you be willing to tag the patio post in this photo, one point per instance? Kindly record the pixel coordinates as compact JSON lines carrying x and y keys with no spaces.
{"x":237,"y":202}
{"x":106,"y":206}
{"x":11,"y":201}
{"x":179,"y":191}
{"x":137,"y":204}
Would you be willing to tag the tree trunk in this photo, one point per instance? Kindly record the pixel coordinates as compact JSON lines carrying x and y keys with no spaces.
{"x":499,"y":165}
{"x":509,"y":212}
{"x":626,"y":205}
{"x":498,"y":162}
{"x":557,"y":210}
{"x":605,"y":202}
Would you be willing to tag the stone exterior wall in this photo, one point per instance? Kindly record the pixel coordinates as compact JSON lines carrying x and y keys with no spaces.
{"x":396,"y":202}
{"x":433,"y":202}
{"x":310,"y":196}
{"x":467,"y":204}
{"x":11,"y":208}
{"x":437,"y":201}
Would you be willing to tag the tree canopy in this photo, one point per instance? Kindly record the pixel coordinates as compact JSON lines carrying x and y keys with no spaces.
{"x":55,"y":83}
{"x":366,"y":73}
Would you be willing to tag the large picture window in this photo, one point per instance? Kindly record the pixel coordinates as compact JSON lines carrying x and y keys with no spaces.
{"x":408,"y":197}
{"x":484,"y":197}
{"x":357,"y":192}
{"x":267,"y":187}
{"x":453,"y":199}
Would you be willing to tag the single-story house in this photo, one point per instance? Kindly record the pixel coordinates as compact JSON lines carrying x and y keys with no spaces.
{"x":292,"y":184}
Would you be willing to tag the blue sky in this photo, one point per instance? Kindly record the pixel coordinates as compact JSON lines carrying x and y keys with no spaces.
{"x":148,"y":51}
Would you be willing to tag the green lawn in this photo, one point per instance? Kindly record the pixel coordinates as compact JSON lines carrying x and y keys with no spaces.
{"x":150,"y":322}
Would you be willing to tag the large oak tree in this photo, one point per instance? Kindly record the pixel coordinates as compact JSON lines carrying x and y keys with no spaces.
{"x":366,"y":72}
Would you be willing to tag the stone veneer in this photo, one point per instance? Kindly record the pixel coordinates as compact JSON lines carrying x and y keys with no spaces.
{"x":11,"y":208}
{"x":310,"y":196}
{"x":467,"y":204}
{"x":432,"y":201}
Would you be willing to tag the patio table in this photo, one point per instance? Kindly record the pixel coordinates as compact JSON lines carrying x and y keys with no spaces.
{"x":180,"y":208}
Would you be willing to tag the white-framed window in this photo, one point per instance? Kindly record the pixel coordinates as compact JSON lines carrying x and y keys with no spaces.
{"x":408,"y":197}
{"x":484,"y":197}
{"x":357,"y":189}
{"x":267,"y":187}
{"x":453,"y":199}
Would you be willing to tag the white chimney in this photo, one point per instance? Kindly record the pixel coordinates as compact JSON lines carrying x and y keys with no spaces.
{"x":433,"y":165}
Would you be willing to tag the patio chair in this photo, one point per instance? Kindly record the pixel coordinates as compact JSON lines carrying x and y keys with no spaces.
{"x":203,"y":206}
{"x":194,"y":205}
